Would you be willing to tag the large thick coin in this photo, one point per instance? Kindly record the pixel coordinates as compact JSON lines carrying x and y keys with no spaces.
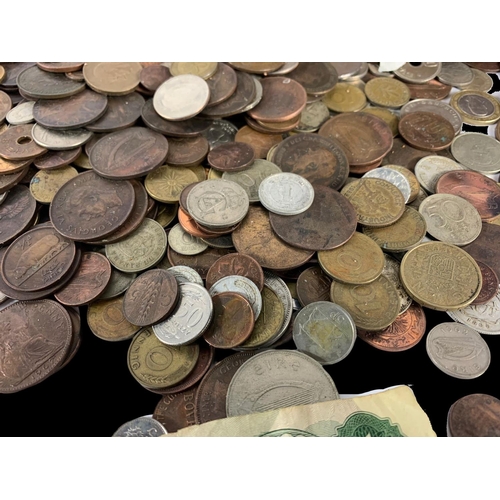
{"x":478,"y":152}
{"x":278,"y":379}
{"x":474,"y":415}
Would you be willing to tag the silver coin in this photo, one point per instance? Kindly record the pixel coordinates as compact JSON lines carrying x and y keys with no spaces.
{"x":391,"y":272}
{"x":217,"y":203}
{"x":286,"y":193}
{"x":477,"y":151}
{"x":251,"y":178}
{"x":225,"y":241}
{"x":3,"y":298}
{"x":458,"y":350}
{"x":185,"y":274}
{"x":21,"y":114}
{"x":141,"y":427}
{"x":242,"y":285}
{"x":190,"y":319}
{"x":474,"y":106}
{"x":438,"y":107}
{"x":420,"y":73}
{"x":346,"y":69}
{"x":394,"y":177}
{"x":184,"y":243}
{"x":374,"y":70}
{"x":297,"y":306}
{"x":313,"y":116}
{"x":325,"y":331}
{"x":3,"y":197}
{"x":421,"y":196}
{"x":258,"y":95}
{"x":181,"y":97}
{"x":482,"y":82}
{"x":220,"y":132}
{"x":118,"y":283}
{"x":429,"y":169}
{"x":451,"y":219}
{"x":484,"y":318}
{"x":361,"y":73}
{"x":456,"y":74}
{"x":285,"y":69}
{"x":60,"y":140}
{"x":278,"y":379}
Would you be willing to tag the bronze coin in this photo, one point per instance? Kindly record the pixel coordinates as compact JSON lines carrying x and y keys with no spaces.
{"x":232,"y":323}
{"x":475,"y":415}
{"x":313,"y":285}
{"x":316,"y":77}
{"x":490,"y":284}
{"x":318,"y":159}
{"x":201,"y":263}
{"x":76,"y":338}
{"x":153,"y":76}
{"x":236,"y":264}
{"x":12,"y":71}
{"x":37,"y":84}
{"x":37,"y":259}
{"x":184,"y":128}
{"x":364,"y":138}
{"x":129,"y":153}
{"x":482,"y":192}
{"x":432,"y":89}
{"x":72,"y":112}
{"x":275,"y":128}
{"x":122,"y":112}
{"x":211,"y":393}
{"x":282,"y":99}
{"x":327,"y":224}
{"x":16,"y":213}
{"x":57,"y":159}
{"x":36,"y":338}
{"x":176,"y":411}
{"x":261,"y":143}
{"x":112,"y":78}
{"x":222,"y":84}
{"x":183,"y":196}
{"x":485,"y":247}
{"x":7,"y":181}
{"x":186,"y":151}
{"x":92,"y":142}
{"x":75,"y":75}
{"x":231,"y":157}
{"x":88,"y":207}
{"x":11,"y":166}
{"x":427,"y":131}
{"x":88,"y":283}
{"x":404,"y":333}
{"x":5,"y":105}
{"x":60,"y":67}
{"x":259,"y":68}
{"x":17,"y":143}
{"x":488,"y":67}
{"x":190,"y":226}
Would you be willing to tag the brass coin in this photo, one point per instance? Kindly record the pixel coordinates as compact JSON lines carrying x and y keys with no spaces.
{"x":358,"y":261}
{"x":45,"y":184}
{"x":166,"y":214}
{"x":476,"y":108}
{"x":410,"y":177}
{"x":112,"y":78}
{"x":2,"y":74}
{"x":259,"y":68}
{"x":166,"y":183}
{"x":387,"y":92}
{"x":204,"y":70}
{"x":345,"y":97}
{"x":440,"y":276}
{"x":387,"y":115}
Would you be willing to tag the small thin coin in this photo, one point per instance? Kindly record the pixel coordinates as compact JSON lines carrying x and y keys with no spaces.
{"x":201,"y":263}
{"x":222,"y":84}
{"x":474,"y":415}
{"x":482,"y":81}
{"x":16,"y":213}
{"x":183,"y":274}
{"x":433,"y":89}
{"x":166,"y":183}
{"x":5,"y":105}
{"x":259,"y":68}
{"x":184,"y":243}
{"x":103,"y":77}
{"x":45,"y":184}
{"x":60,"y":67}
{"x":187,"y":151}
{"x":60,"y":139}
{"x":490,"y":285}
{"x":219,"y":132}
{"x":312,"y":117}
{"x":344,"y":98}
{"x":231,"y":157}
{"x":485,"y":247}
{"x":118,"y":284}
{"x":235,"y":264}
{"x":57,"y":159}
{"x":313,"y":285}
{"x":418,"y":72}
{"x":261,"y":142}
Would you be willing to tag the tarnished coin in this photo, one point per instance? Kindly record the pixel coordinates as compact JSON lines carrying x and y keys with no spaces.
{"x":190,"y":318}
{"x":118,"y":284}
{"x":261,"y":142}
{"x":485,"y":247}
{"x":385,"y":114}
{"x":183,"y":274}
{"x":476,"y":107}
{"x":201,"y":263}
{"x":141,"y":427}
{"x":16,"y":213}
{"x":324,"y":331}
{"x":490,"y":285}
{"x":153,"y":76}
{"x":474,"y":415}
{"x":5,"y":105}
{"x":312,"y":117}
{"x":222,"y":84}
{"x":433,"y":89}
{"x":176,"y":411}
{"x":187,"y":151}
{"x":235,"y":264}
{"x":259,"y":68}
{"x":317,"y":78}
{"x":219,"y":132}
{"x":60,"y":67}
{"x":387,"y":92}
{"x":458,"y":350}
{"x":57,"y":159}
{"x":12,"y":71}
{"x":112,"y":78}
{"x":392,"y":272}
{"x":346,"y":69}
{"x":482,"y":81}
{"x":184,"y":243}
{"x":60,"y":139}
{"x":418,"y":72}
{"x":166,"y":183}
{"x":17,"y":143}
{"x":313,"y":285}
{"x":21,"y":114}
{"x":231,"y":157}
{"x":45,"y":184}
{"x":476,"y":151}
{"x":456,"y":74}
{"x":12,"y":166}
{"x":437,"y":107}
{"x":204,"y":70}
{"x":344,"y":98}
{"x":394,"y":177}
{"x":428,"y":171}
{"x":428,"y":131}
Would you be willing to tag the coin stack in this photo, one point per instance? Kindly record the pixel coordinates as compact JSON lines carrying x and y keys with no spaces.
{"x":261,"y":215}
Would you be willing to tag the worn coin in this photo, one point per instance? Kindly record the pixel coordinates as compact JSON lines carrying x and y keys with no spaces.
{"x":17,"y":143}
{"x":219,"y":132}
{"x":183,"y":274}
{"x":428,"y":131}
{"x":166,"y":183}
{"x":235,"y":264}
{"x":5,"y":105}
{"x":428,"y":171}
{"x":392,"y":272}
{"x":57,"y":159}
{"x":204,"y":70}
{"x":490,"y":285}
{"x":316,"y":77}
{"x":176,"y":411}
{"x":312,"y":117}
{"x":433,"y":89}
{"x":112,"y":78}
{"x":261,"y":142}
{"x":474,"y":415}
{"x":476,"y":151}
{"x":118,"y":284}
{"x":259,"y":68}
{"x":60,"y":139}
{"x":184,"y":243}
{"x":60,"y":67}
{"x":418,"y":72}
{"x":187,"y":151}
{"x":16,"y":213}
{"x":12,"y":71}
{"x":387,"y":92}
{"x":433,"y":106}
{"x":222,"y":84}
{"x":385,"y":114}
{"x":344,"y":98}
{"x":153,"y":76}
{"x":456,"y":74}
{"x":313,"y":285}
{"x":485,"y":247}
{"x":140,"y":427}
{"x":45,"y":184}
{"x":394,"y":177}
{"x":201,"y":263}
{"x":482,"y":81}
{"x":231,"y":157}
{"x":13,"y":166}
{"x":21,"y":114}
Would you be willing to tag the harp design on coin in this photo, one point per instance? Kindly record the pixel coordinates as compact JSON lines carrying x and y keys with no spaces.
{"x":456,"y":350}
{"x":130,"y":150}
{"x":11,"y":211}
{"x":441,"y":267}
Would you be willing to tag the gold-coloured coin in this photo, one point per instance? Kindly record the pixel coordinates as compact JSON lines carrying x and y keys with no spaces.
{"x":204,"y":70}
{"x":259,"y":68}
{"x":387,"y":115}
{"x":156,"y":365}
{"x":358,"y":261}
{"x":106,"y":320}
{"x":45,"y":183}
{"x":440,"y":276}
{"x":495,"y":220}
{"x":387,"y":92}
{"x":214,"y":174}
{"x":482,"y":81}
{"x":292,"y":286}
{"x":166,"y":214}
{"x":403,"y":235}
{"x":83,"y":162}
{"x":476,"y":107}
{"x":410,"y":177}
{"x":377,"y":202}
{"x":344,"y":98}
{"x":199,"y":171}
{"x":373,"y":306}
{"x":166,"y":183}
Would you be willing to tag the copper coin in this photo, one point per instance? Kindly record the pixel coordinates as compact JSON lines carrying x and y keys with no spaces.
{"x":222,"y":84}
{"x":490,"y":284}
{"x":75,"y":75}
{"x":365,"y":168}
{"x":16,"y":213}
{"x":201,"y":263}
{"x":479,"y":190}
{"x":189,"y":225}
{"x":432,"y":89}
{"x":17,"y":143}
{"x":76,"y":338}
{"x":35,"y":340}
{"x":313,"y":285}
{"x":236,"y":264}
{"x":261,"y":143}
{"x":12,"y":71}
{"x":92,"y":142}
{"x":122,"y":112}
{"x":328,"y":223}
{"x":89,"y":281}
{"x":232,"y":323}
{"x":72,"y":112}
{"x":37,"y":84}
{"x":316,"y":77}
{"x":488,"y":67}
{"x":129,"y":153}
{"x":7,"y":181}
{"x":259,"y":68}
{"x":176,"y":411}
{"x":5,"y":105}
{"x":187,"y":151}
{"x":404,"y":333}
{"x":231,"y":157}
{"x":278,"y":128}
{"x":60,"y":67}
{"x":212,"y":391}
{"x":318,"y":159}
{"x":37,"y":259}
{"x":364,"y":138}
{"x":184,"y":194}
{"x":57,"y":159}
{"x":185,"y":128}
{"x":112,"y":78}
{"x":475,"y":415}
{"x":153,"y":76}
{"x":88,"y":207}
{"x":427,"y":131}
{"x":282,"y":99}
{"x":485,"y":247}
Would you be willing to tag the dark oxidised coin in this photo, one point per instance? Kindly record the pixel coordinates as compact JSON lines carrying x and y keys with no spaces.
{"x":129,"y":153}
{"x":57,"y":159}
{"x":328,"y":223}
{"x":17,"y":143}
{"x":317,"y":78}
{"x":5,"y":105}
{"x":11,"y":166}
{"x":475,"y":415}
{"x":186,"y":151}
{"x":60,"y":67}
{"x":150,"y":298}
{"x":485,"y":247}
{"x":184,"y":194}
{"x":9,"y":180}
{"x":490,"y":284}
{"x":12,"y":71}
{"x":427,"y":131}
{"x":153,"y":76}
{"x":16,"y":213}
{"x":176,"y":411}
{"x":236,"y":264}
{"x":201,"y":263}
{"x":89,"y":207}
{"x":222,"y":84}
{"x":231,"y":157}
{"x":313,"y":285}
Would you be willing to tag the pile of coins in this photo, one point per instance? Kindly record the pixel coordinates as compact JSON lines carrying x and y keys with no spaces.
{"x":279,"y":210}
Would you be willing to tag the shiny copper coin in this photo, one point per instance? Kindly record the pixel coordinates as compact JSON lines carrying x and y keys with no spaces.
{"x":222,"y":84}
{"x":176,"y":411}
{"x":404,"y":333}
{"x":76,"y":337}
{"x":316,"y":77}
{"x":5,"y":105}
{"x":88,"y":283}
{"x":12,"y":71}
{"x":364,"y":138}
{"x":187,"y":151}
{"x":260,"y":142}
{"x":236,"y":264}
{"x":16,"y":213}
{"x":490,"y":284}
{"x":232,"y":323}
{"x":153,"y":76}
{"x":485,"y":247}
{"x":427,"y":131}
{"x":328,"y":223}
{"x":189,"y":225}
{"x":17,"y":143}
{"x":231,"y":157}
{"x":57,"y":159}
{"x":201,"y":263}
{"x":258,"y":68}
{"x":129,"y":153}
{"x":313,"y":285}
{"x":475,"y":415}
{"x":60,"y":67}
{"x":432,"y":89}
